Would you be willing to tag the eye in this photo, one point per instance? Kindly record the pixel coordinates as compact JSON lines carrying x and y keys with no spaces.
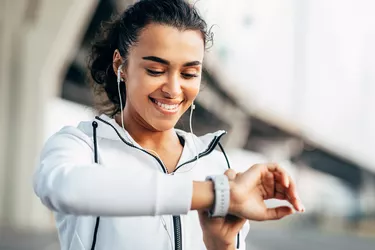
{"x":188,"y":76}
{"x":154,"y":72}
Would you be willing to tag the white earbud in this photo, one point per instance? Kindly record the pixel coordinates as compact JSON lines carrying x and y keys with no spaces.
{"x":119,"y":78}
{"x":192,"y":106}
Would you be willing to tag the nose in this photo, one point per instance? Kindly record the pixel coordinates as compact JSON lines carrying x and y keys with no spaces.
{"x":172,"y":88}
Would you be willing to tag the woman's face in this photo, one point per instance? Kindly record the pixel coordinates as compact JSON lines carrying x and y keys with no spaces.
{"x":163,"y":75}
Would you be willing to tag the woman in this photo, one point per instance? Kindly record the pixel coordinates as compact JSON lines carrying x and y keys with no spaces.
{"x":128,"y":179}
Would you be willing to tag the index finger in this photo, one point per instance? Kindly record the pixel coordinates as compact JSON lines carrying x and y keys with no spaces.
{"x":286,"y":180}
{"x":281,"y":175}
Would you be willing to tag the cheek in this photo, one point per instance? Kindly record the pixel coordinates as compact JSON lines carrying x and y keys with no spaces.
{"x":191,"y":90}
{"x":134,"y":95}
{"x":139,"y":87}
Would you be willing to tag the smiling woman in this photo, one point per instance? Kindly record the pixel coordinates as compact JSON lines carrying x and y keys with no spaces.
{"x":165,"y":75}
{"x":128,"y":179}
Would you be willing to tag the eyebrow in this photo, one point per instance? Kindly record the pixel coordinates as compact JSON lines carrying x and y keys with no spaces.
{"x":165,"y":62}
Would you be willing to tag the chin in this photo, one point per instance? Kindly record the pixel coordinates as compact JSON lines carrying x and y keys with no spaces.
{"x":163,"y":125}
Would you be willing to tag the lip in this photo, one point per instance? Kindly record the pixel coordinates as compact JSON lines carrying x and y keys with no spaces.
{"x":168,"y":102}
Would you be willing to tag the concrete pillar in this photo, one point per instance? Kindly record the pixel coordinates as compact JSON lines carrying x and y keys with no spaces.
{"x":367,"y":194}
{"x":9,"y":25}
{"x":39,"y":42}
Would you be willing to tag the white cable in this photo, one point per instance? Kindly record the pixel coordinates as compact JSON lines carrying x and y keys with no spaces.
{"x":149,"y":150}
{"x":123,"y":127}
{"x":165,"y":227}
{"x":192,"y":138}
{"x":119,"y":94}
{"x":122,"y":114}
{"x":191,"y":116}
{"x":192,"y":133}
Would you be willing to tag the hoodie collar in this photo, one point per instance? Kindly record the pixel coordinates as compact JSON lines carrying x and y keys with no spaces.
{"x":108,"y":126}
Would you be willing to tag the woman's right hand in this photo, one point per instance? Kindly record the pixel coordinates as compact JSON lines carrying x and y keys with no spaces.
{"x":249,"y":190}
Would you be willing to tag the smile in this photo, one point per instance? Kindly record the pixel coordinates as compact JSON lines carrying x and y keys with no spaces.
{"x":166,"y":108}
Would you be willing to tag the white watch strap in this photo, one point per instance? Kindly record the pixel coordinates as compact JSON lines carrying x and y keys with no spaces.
{"x":222,"y":195}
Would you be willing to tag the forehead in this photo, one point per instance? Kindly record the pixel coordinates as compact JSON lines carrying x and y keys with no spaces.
{"x":169,"y":43}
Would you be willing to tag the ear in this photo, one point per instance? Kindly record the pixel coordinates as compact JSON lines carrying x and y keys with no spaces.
{"x":116,"y":62}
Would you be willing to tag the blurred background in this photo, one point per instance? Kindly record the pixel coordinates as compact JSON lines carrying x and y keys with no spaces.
{"x":292,"y":81}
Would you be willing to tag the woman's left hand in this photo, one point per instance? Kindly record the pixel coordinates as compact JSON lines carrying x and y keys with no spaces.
{"x":220,"y":233}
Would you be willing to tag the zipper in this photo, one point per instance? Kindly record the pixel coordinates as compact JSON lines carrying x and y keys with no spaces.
{"x":177,"y":233}
{"x":176,"y":219}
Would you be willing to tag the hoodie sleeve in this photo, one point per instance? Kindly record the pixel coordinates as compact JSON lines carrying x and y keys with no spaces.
{"x":243,"y":234}
{"x":68,"y":181}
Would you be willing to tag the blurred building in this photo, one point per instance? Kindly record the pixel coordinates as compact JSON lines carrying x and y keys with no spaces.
{"x":291,"y":81}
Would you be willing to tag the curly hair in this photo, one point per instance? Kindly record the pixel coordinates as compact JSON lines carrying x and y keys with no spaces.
{"x":122,"y":31}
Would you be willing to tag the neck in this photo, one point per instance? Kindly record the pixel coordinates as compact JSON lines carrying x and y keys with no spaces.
{"x":144,"y":135}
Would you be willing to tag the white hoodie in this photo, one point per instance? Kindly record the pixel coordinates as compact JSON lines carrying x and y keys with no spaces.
{"x":139,"y":204}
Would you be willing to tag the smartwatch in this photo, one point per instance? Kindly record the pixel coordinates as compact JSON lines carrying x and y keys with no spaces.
{"x":222,"y":195}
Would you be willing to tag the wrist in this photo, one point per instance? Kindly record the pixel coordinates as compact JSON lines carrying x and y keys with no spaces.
{"x":222,"y":195}
{"x":203,"y":195}
{"x":232,"y":205}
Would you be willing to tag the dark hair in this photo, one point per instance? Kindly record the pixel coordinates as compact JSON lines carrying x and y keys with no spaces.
{"x":122,"y":32}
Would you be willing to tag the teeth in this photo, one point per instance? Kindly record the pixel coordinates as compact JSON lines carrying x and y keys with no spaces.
{"x":166,"y":106}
